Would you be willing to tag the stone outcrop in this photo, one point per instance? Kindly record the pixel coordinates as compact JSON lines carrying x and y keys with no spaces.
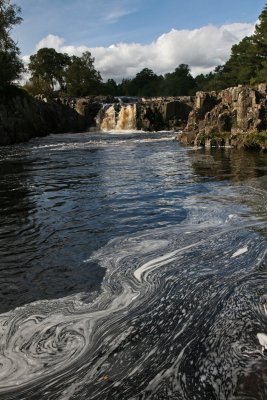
{"x":23,"y":117}
{"x":163,"y":113}
{"x":147,"y":114}
{"x":228,"y":117}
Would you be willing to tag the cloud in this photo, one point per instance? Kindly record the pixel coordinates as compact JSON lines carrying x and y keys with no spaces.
{"x":51,"y":41}
{"x":202,"y":49}
{"x":114,"y":16}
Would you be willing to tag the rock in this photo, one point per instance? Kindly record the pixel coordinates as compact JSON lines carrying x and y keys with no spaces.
{"x":23,"y":117}
{"x":223,"y":118}
{"x":163,"y":113}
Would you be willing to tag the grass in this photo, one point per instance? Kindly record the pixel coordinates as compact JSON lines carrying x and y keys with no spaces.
{"x":256,"y":140}
{"x":217,"y":138}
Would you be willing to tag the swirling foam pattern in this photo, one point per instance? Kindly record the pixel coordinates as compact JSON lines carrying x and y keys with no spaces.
{"x":177,"y":317}
{"x":181,"y":315}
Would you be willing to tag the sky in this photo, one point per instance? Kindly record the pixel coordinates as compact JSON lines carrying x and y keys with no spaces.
{"x":125,"y":36}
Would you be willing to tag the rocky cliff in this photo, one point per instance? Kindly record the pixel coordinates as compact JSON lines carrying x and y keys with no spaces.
{"x":130,"y":113}
{"x":160,"y":113}
{"x":235,"y":116}
{"x":146,"y":114}
{"x":23,"y":117}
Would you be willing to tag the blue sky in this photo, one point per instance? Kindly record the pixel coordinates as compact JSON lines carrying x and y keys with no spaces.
{"x":130,"y":29}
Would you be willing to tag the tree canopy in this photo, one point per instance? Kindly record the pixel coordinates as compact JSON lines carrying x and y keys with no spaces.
{"x":247,"y":63}
{"x":180,"y":82}
{"x":48,"y":67}
{"x":81,"y":77}
{"x":10,"y":64}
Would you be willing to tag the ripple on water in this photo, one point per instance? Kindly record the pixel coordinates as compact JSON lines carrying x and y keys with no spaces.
{"x":181,"y":312}
{"x":178,"y":315}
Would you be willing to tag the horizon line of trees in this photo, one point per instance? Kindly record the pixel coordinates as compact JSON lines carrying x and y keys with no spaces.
{"x":53,"y":73}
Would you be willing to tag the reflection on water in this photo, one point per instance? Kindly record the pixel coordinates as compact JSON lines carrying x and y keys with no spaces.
{"x":132,"y":268}
{"x":228,"y":164}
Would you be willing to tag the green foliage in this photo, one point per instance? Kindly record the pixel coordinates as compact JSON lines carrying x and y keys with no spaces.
{"x":256,"y":140}
{"x":109,"y":88}
{"x":247,"y":63}
{"x":260,"y":36}
{"x":48,"y":67}
{"x":124,"y":88}
{"x":81,"y":77}
{"x":180,"y":82}
{"x":37,"y":85}
{"x":53,"y":72}
{"x":145,"y":83}
{"x":10,"y":64}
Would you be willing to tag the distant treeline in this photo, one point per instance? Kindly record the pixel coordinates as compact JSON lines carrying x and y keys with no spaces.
{"x":56,"y":74}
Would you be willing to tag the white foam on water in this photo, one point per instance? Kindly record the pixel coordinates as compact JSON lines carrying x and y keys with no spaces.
{"x":262,"y":338}
{"x":239,"y":252}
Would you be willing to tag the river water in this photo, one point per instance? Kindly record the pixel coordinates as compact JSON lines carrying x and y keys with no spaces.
{"x":132,"y":268}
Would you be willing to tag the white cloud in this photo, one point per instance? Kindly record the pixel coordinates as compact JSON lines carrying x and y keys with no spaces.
{"x":202,"y":49}
{"x":51,"y":41}
{"x":114,"y":16}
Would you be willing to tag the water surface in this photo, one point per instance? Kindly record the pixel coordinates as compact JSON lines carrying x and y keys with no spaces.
{"x":132,"y":268}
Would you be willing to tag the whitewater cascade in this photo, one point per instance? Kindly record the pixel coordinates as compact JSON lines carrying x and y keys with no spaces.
{"x":119,"y":117}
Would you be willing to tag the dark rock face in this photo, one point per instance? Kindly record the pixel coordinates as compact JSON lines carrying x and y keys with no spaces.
{"x":152,"y":114}
{"x":226,"y":117}
{"x":222,"y":118}
{"x":170,"y":113}
{"x":23,"y":117}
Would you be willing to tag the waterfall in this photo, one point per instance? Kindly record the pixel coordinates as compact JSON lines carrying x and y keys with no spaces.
{"x":119,"y":117}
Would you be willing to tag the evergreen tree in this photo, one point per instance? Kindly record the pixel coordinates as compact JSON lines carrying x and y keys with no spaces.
{"x":247,"y":62}
{"x":242,"y":65}
{"x":124,"y":88}
{"x":260,"y":36}
{"x":260,"y":44}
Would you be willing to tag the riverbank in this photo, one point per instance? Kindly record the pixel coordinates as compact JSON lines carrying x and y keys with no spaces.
{"x":233,"y":117}
{"x":23,"y":117}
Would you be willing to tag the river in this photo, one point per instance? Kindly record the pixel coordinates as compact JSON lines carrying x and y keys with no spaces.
{"x":132,"y":268}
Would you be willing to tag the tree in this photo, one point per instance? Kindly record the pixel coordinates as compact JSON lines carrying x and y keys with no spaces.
{"x":242,"y":65}
{"x":248,"y":60}
{"x":203,"y":81}
{"x":37,"y":85}
{"x":260,"y":36}
{"x":180,"y":82}
{"x":109,"y":88}
{"x":124,"y":88}
{"x":10,"y":64}
{"x":81,"y":77}
{"x":259,"y":40}
{"x":48,"y":66}
{"x":145,"y":83}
